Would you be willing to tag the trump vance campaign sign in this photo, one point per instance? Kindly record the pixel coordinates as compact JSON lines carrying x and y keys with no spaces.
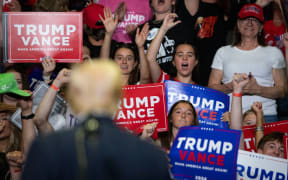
{"x":141,"y":105}
{"x":33,"y":35}
{"x":210,"y":104}
{"x":204,"y":153}
{"x":252,"y":166}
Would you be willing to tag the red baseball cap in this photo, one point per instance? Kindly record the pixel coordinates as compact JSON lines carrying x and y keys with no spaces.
{"x":91,"y":16}
{"x":251,"y":10}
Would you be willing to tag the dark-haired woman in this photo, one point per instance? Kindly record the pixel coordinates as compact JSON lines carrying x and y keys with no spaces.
{"x":127,"y":56}
{"x":181,"y":114}
{"x":249,"y":54}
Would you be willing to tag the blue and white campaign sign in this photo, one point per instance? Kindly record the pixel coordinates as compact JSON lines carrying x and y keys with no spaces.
{"x":252,"y":166}
{"x":210,"y":104}
{"x":204,"y":153}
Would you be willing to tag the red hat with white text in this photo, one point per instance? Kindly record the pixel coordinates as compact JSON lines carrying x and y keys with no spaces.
{"x":251,"y":10}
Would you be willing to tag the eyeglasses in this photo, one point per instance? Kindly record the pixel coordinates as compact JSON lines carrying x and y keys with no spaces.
{"x":250,"y":20}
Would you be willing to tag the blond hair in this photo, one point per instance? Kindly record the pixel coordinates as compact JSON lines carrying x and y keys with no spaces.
{"x":95,"y":87}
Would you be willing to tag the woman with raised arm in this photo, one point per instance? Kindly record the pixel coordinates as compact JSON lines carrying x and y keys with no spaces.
{"x":185,"y":58}
{"x":127,"y":56}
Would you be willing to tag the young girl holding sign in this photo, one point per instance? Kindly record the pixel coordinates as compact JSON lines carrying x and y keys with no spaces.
{"x":181,"y":114}
{"x":126,"y":55}
{"x":185,"y":58}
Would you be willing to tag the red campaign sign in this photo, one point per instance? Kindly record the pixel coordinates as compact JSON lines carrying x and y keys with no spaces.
{"x":141,"y":105}
{"x":249,"y":133}
{"x":33,"y":35}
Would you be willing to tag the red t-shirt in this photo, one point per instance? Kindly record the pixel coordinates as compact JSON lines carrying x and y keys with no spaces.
{"x":274,"y":35}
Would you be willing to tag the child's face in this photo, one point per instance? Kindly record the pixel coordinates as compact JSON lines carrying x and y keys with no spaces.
{"x":273,"y":148}
{"x":250,"y":119}
{"x":277,"y":18}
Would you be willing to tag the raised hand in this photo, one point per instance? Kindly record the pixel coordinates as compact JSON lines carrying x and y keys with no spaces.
{"x":169,"y":21}
{"x":263,"y":3}
{"x":130,"y":28}
{"x":48,"y":65}
{"x":257,"y":107}
{"x":109,"y":22}
{"x":142,"y":36}
{"x":240,"y":80}
{"x":121,"y":10}
{"x":62,"y":78}
{"x":14,"y":6}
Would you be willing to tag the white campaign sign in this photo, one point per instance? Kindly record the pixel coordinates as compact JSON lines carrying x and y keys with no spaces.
{"x":254,"y":166}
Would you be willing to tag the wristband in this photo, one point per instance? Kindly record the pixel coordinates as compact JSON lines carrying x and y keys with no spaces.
{"x":30,"y":116}
{"x":237,"y":94}
{"x":54,"y":87}
{"x":259,"y":128}
{"x":17,"y":170}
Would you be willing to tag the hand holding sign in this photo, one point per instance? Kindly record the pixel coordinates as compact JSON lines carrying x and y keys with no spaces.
{"x":109,"y":22}
{"x":148,"y":130}
{"x":48,"y":65}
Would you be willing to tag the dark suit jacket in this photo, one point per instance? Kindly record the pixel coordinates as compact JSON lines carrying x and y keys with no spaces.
{"x":118,"y":155}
